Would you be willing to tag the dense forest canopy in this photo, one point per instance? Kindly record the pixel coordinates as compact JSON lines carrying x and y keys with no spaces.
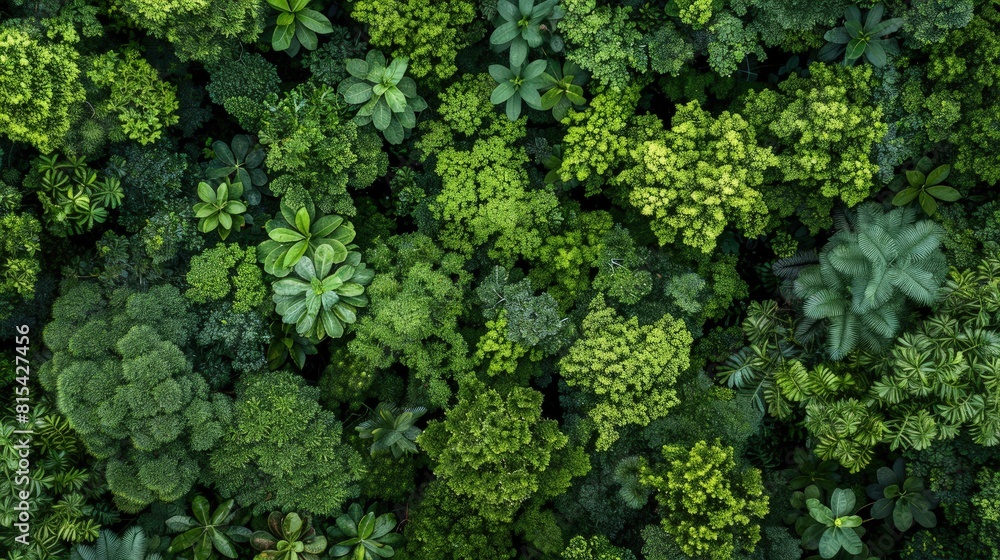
{"x":500,"y":279}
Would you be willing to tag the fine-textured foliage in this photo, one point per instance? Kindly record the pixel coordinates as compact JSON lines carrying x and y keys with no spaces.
{"x":625,"y":370}
{"x":710,"y":506}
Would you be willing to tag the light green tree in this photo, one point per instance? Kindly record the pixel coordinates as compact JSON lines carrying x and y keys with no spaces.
{"x":700,"y":176}
{"x":496,"y":451}
{"x":40,"y":88}
{"x":626,"y":371}
{"x":823,"y":129}
{"x":710,"y":506}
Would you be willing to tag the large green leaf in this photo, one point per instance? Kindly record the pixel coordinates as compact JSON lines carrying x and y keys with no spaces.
{"x":285,"y":235}
{"x":356,"y":93}
{"x":502,"y":93}
{"x":905,"y":196}
{"x":282,"y":38}
{"x":829,"y":546}
{"x":820,"y":512}
{"x":186,"y":540}
{"x":842,"y":502}
{"x":855,"y":49}
{"x":875,"y":53}
{"x":381,"y":115}
{"x":938,"y":175}
{"x":849,"y":540}
{"x":307,"y":37}
{"x":314,"y":21}
{"x":944,"y":192}
{"x":505,"y":33}
{"x":357,"y":68}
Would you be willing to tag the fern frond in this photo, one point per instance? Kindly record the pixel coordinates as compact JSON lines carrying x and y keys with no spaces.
{"x":824,"y":304}
{"x":920,"y":240}
{"x":918,"y":285}
{"x":790,"y":267}
{"x":842,"y":335}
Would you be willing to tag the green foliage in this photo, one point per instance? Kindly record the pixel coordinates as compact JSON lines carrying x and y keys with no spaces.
{"x":417,"y":298}
{"x":823,"y":130}
{"x":856,"y":40}
{"x":289,"y":537}
{"x":443,"y":527}
{"x":286,"y":343}
{"x":212,"y":277}
{"x":518,"y":83}
{"x":132,"y":545}
{"x":220,"y":208}
{"x":531,"y":321}
{"x":427,"y":32}
{"x":66,"y":494}
{"x":387,"y":97}
{"x":595,"y":548}
{"x":837,"y":526}
{"x":627,"y":371}
{"x":283,"y":450}
{"x":960,"y":80}
{"x":311,"y":139}
{"x":522,"y":26}
{"x":484,"y":200}
{"x":938,"y":377}
{"x":321,"y":301}
{"x":708,"y":504}
{"x":845,"y":430}
{"x":295,"y":25}
{"x":699,"y":176}
{"x":240,"y":86}
{"x":392,"y":430}
{"x":867,"y":273}
{"x":40,"y":87}
{"x":604,"y":41}
{"x":20,"y":246}
{"x":368,"y":537}
{"x":927,"y":189}
{"x":901,"y":497}
{"x":565,"y":89}
{"x":73,"y":198}
{"x":201,"y":30}
{"x":930,"y":21}
{"x":496,"y":451}
{"x":596,"y":140}
{"x":142,"y":103}
{"x":296,"y":233}
{"x":123,"y":380}
{"x":208,"y":531}
{"x":241,"y":160}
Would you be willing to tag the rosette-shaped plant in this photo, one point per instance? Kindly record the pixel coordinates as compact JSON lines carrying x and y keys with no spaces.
{"x":320,"y":302}
{"x":297,"y":233}
{"x":387,"y":97}
{"x":220,"y":209}
{"x":365,"y":537}
{"x":289,"y":537}
{"x":241,"y":160}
